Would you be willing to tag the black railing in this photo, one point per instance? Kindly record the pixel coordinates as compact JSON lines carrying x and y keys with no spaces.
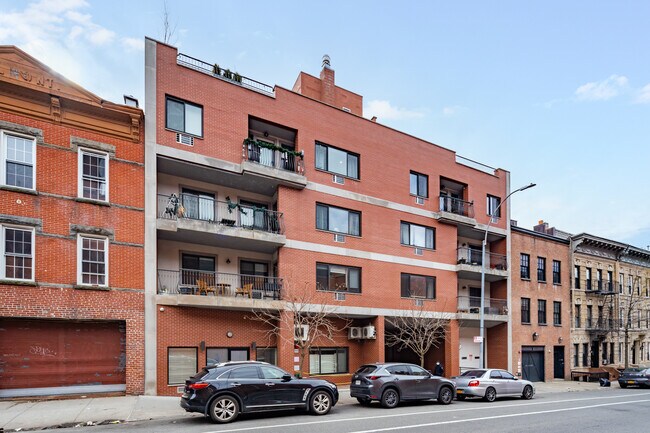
{"x":195,"y":282}
{"x":226,"y":74}
{"x":600,"y":286}
{"x":472,"y":304}
{"x":472,"y":256}
{"x":602,"y":325}
{"x":269,"y":155}
{"x":190,"y":206}
{"x":456,"y":206}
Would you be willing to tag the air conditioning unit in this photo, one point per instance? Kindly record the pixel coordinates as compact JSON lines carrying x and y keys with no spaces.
{"x":419,"y":200}
{"x":418,"y":251}
{"x":369,"y":332}
{"x":339,"y":296}
{"x":419,"y":302}
{"x":338,"y":179}
{"x":300,"y":332}
{"x":185,"y":139}
{"x":494,"y":219}
{"x":339,"y":238}
{"x":354,"y":333}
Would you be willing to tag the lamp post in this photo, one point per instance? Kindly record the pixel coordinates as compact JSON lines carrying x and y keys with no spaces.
{"x":482,"y":313}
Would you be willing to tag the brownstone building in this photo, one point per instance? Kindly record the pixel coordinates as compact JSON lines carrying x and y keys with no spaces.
{"x":71,"y":236}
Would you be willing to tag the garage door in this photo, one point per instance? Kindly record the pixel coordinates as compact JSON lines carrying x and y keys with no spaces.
{"x":41,"y":357}
{"x":532,"y":358}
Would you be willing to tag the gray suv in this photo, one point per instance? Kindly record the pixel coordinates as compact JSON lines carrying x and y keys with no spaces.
{"x":393,"y":382}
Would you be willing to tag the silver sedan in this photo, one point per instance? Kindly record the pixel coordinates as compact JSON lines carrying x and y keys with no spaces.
{"x":490,"y":384}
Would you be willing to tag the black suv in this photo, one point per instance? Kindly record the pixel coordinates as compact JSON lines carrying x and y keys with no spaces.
{"x":224,"y":390}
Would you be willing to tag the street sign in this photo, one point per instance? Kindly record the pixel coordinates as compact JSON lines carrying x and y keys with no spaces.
{"x":478,"y":339}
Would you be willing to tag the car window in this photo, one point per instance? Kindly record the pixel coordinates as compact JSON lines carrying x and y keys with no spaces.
{"x":365,"y":369}
{"x":398,"y":369}
{"x":507,"y":375}
{"x":418,"y":371}
{"x":201,"y":374}
{"x":495,"y":375}
{"x":244,"y":373}
{"x":272,"y":373}
{"x":473,"y":373}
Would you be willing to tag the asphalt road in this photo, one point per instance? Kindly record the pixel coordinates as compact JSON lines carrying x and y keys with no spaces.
{"x":616,"y":411}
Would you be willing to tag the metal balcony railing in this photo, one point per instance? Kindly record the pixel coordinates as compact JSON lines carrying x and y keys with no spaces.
{"x":231,"y":214}
{"x":600,"y":286}
{"x":195,"y":282}
{"x":264,"y":153}
{"x":456,"y":206}
{"x":602,"y":325}
{"x":472,"y":304}
{"x":472,"y":256}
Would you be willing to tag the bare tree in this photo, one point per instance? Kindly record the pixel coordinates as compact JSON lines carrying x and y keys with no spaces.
{"x":419,"y":330}
{"x":632,"y":304}
{"x":168,"y":29}
{"x":310,"y":317}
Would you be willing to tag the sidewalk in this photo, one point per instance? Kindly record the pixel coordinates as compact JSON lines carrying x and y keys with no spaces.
{"x":26,"y":415}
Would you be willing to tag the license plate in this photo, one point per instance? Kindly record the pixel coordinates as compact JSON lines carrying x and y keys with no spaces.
{"x":180,"y":389}
{"x":459,"y":391}
{"x":357,"y":382}
{"x":631,"y":382}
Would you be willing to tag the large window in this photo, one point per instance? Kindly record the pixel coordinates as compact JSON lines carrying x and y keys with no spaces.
{"x":328,"y":360}
{"x":339,"y":220}
{"x":557,"y":313}
{"x":184,"y":117}
{"x":578,"y":319}
{"x":493,"y":208}
{"x":338,"y":278}
{"x":541,"y":311}
{"x":267,"y":354}
{"x":557,"y":266}
{"x":181,"y":364}
{"x":419,"y":184}
{"x":418,"y":286}
{"x":18,"y":158}
{"x":576,"y":277}
{"x":337,"y":161}
{"x":215,"y":355}
{"x":525,"y":310}
{"x":17,"y":253}
{"x":525,"y":266}
{"x":576,"y":354}
{"x":93,"y":175}
{"x":417,"y":236}
{"x":541,"y":269}
{"x":585,"y":354}
{"x":92,"y":253}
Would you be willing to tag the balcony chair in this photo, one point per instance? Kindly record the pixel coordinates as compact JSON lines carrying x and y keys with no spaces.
{"x":246,"y":290}
{"x":204,"y":288}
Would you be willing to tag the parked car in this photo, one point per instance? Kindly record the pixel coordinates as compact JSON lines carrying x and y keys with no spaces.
{"x":391,"y":383}
{"x":223,"y":391}
{"x":635,"y":376}
{"x":491,"y":383}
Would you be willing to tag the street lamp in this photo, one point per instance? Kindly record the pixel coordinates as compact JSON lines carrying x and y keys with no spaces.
{"x":482,"y":315}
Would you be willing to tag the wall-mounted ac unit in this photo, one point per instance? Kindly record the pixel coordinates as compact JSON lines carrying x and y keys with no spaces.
{"x":369,"y":332}
{"x":339,"y":296}
{"x":419,"y":303}
{"x":300,"y":332}
{"x":419,"y":200}
{"x":339,"y":238}
{"x":418,"y":251}
{"x":185,"y":139}
{"x":354,"y":333}
{"x":338,"y":179}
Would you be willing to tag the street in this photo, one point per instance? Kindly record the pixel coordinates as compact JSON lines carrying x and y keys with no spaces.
{"x":616,"y":410}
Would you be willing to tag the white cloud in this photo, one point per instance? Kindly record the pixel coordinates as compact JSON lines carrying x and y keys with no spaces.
{"x":453,"y":110}
{"x":643,"y":97}
{"x":384,"y":110}
{"x":133,"y":44}
{"x":602,"y":90}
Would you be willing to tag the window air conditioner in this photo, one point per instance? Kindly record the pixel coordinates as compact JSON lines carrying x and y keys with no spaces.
{"x":300,"y":332}
{"x":339,"y":238}
{"x":419,"y":200}
{"x":369,"y":332}
{"x":418,"y":251}
{"x":185,"y":139}
{"x":338,"y":179}
{"x":339,"y":296}
{"x":419,"y":303}
{"x":354,"y":333}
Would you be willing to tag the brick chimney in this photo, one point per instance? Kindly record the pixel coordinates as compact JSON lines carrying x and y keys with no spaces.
{"x":328,"y":88}
{"x":541,"y":227}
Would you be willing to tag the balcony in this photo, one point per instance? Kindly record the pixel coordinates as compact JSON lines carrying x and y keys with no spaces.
{"x":597,"y":286}
{"x":188,"y":217}
{"x":495,"y":310}
{"x":470,"y":261}
{"x":601,"y":326}
{"x":454,"y":210}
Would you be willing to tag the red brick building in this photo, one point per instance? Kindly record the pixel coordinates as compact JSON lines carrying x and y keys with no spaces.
{"x":256,"y":194}
{"x":541,"y":303}
{"x":71,"y":234}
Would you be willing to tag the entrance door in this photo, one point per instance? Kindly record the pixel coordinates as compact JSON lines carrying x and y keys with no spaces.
{"x":474,"y":299}
{"x":558,"y":362}
{"x":595,"y":356}
{"x":532,"y":359}
{"x":254,"y":215}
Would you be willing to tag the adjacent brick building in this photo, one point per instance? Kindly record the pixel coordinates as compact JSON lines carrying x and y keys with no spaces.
{"x":71,"y":234}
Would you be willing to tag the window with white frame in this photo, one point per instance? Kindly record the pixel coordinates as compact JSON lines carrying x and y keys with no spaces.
{"x":92,"y":253}
{"x":184,"y":117}
{"x":93,"y":175}
{"x":417,"y":236}
{"x":18,"y":161}
{"x":493,"y":206}
{"x":17,"y":253}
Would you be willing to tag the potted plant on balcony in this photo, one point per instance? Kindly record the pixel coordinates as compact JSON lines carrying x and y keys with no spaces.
{"x":216,"y":70}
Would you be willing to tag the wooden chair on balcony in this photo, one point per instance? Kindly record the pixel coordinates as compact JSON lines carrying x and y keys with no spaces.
{"x":204,"y":288}
{"x":245,"y":290}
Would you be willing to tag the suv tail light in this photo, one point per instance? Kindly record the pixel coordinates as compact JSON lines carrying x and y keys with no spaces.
{"x":198,"y":385}
{"x":473,"y":383}
{"x":373,"y":377}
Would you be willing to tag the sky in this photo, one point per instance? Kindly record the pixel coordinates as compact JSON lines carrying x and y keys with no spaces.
{"x":556,"y":92}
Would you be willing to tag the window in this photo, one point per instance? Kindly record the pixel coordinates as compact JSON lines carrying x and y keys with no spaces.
{"x":577,"y":316}
{"x":339,"y":220}
{"x":328,"y":360}
{"x":557,"y":266}
{"x":93,"y":175}
{"x":337,"y":161}
{"x":576,"y":277}
{"x":92,"y":260}
{"x":338,"y":278}
{"x":199,"y":205}
{"x":215,"y":355}
{"x":195,"y":267}
{"x":417,"y":236}
{"x":244,"y":373}
{"x":418,"y":286}
{"x":621,"y":281}
{"x":610,"y":279}
{"x":18,"y":159}
{"x":272,"y":372}
{"x":599,"y":279}
{"x":557,"y":313}
{"x":525,"y":310}
{"x":590,"y":315}
{"x":585,"y":354}
{"x":17,"y":253}
{"x":525,"y":266}
{"x":267,"y":354}
{"x":576,"y":357}
{"x":541,"y":311}
{"x":493,"y":206}
{"x":629,"y":284}
{"x":184,"y":117}
{"x":541,"y":269}
{"x":181,"y":364}
{"x":588,"y":286}
{"x":419,"y":184}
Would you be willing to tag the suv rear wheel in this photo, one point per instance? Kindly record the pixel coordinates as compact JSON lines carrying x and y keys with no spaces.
{"x":390,"y":398}
{"x":224,"y":409}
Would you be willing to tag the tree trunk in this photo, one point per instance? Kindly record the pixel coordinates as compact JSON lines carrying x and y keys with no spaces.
{"x":422,"y":360}
{"x":625,"y":345}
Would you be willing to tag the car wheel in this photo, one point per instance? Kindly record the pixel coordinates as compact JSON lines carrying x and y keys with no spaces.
{"x":528,"y":392}
{"x":460,"y":397}
{"x":363,"y":401}
{"x":622,"y":385}
{"x":224,"y":409}
{"x":320,"y":403}
{"x":446,"y":395}
{"x":390,"y":398}
{"x":490,"y":394}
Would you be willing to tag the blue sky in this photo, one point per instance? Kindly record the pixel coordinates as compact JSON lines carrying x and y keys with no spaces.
{"x":556,"y":92}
